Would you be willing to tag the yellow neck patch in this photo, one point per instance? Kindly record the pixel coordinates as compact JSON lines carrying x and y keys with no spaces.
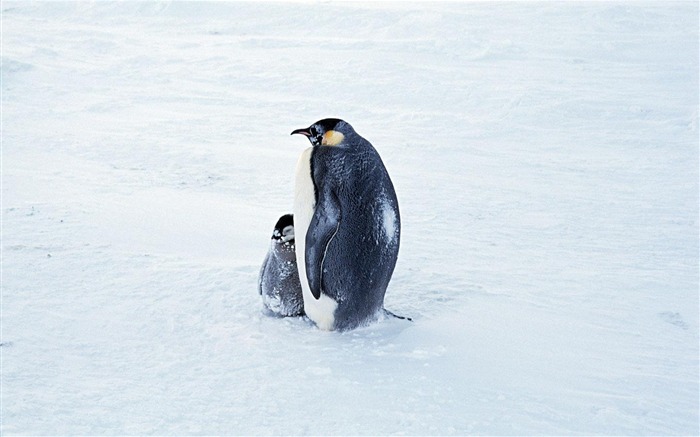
{"x":332,"y":138}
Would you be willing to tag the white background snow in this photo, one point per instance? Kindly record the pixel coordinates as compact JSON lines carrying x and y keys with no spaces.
{"x":545,"y":156}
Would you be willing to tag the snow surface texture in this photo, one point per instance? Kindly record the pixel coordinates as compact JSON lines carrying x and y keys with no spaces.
{"x":545,"y":156}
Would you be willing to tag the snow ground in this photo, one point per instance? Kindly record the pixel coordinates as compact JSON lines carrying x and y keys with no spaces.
{"x":545,"y":156}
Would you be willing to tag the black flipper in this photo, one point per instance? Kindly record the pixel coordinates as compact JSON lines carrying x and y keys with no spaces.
{"x":323,"y":227}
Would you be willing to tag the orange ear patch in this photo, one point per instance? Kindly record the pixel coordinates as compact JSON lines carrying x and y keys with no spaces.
{"x":332,"y":138}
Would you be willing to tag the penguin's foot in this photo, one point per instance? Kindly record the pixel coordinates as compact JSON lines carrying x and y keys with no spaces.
{"x":389,"y":313}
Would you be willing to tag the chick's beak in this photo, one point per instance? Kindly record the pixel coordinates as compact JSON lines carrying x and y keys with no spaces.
{"x":304,"y":131}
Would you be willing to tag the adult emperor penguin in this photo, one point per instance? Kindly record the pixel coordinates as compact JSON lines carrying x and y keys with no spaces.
{"x":347,"y":226}
{"x":278,"y":283}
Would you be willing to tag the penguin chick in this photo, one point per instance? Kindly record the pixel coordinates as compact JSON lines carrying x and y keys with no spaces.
{"x":278,"y":283}
{"x":348,"y":226}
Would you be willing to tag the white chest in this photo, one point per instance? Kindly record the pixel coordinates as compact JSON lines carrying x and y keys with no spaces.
{"x":321,"y":311}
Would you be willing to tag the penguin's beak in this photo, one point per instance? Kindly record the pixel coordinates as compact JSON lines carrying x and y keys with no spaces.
{"x":304,"y":131}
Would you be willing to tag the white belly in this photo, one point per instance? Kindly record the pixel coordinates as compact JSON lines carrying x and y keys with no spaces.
{"x":321,"y":311}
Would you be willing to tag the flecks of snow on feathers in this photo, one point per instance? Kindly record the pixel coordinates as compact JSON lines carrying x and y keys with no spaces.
{"x":388,"y":221}
{"x":273,"y":301}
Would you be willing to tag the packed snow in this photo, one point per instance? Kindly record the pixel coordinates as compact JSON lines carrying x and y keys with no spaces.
{"x":545,"y":158}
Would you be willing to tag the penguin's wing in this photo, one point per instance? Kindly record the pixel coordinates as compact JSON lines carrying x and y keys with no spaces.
{"x":261,"y":276}
{"x":323,"y":227}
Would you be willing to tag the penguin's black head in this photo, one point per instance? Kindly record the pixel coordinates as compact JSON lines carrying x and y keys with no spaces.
{"x":284,"y":229}
{"x":326,"y":132}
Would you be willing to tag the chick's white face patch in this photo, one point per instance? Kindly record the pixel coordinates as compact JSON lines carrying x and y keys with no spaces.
{"x":288,"y":233}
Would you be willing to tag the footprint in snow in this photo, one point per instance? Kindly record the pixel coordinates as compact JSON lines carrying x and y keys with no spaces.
{"x":673,"y":318}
